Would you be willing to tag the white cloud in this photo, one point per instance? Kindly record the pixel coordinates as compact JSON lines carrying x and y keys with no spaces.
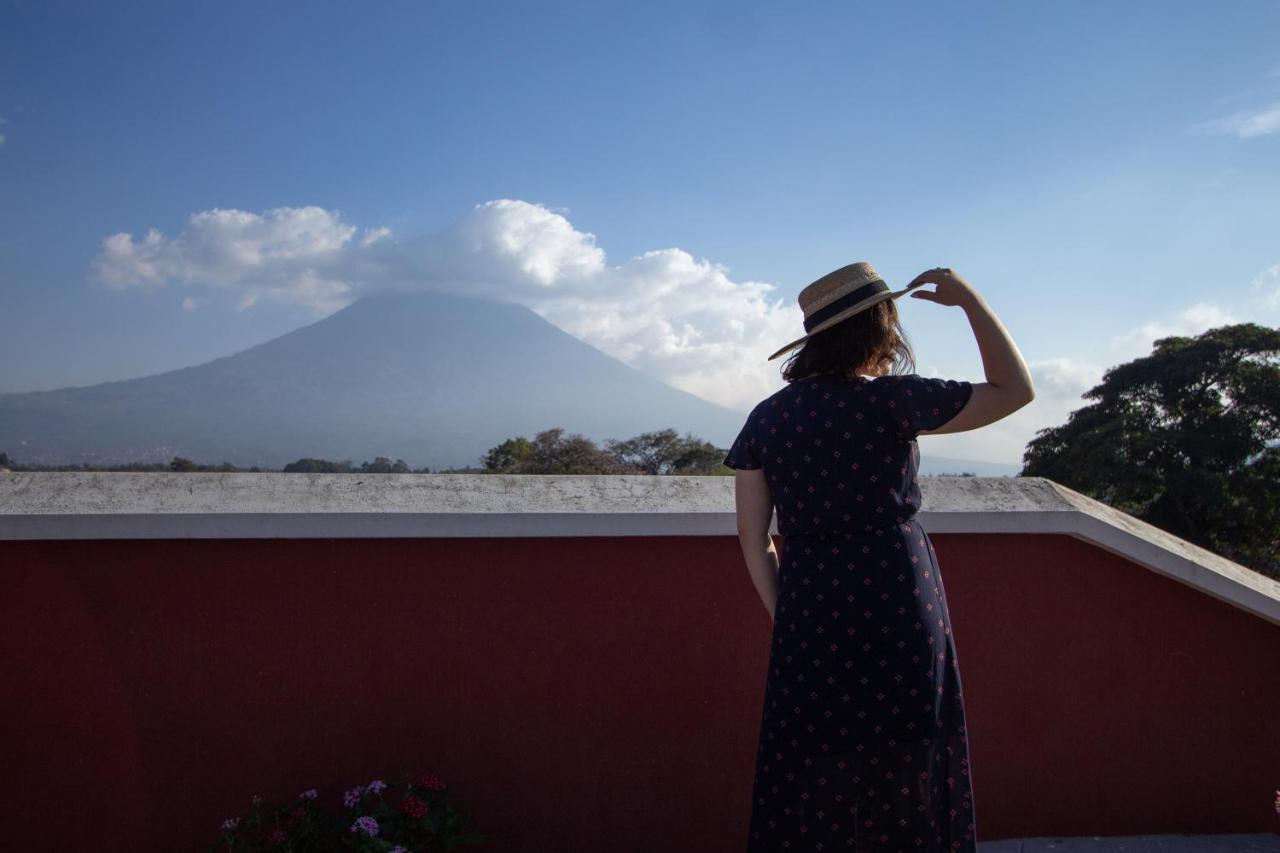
{"x":1064,"y":379}
{"x":189,"y":304}
{"x":1267,"y":284}
{"x":1059,"y":383}
{"x":1245,"y":125}
{"x":301,"y":254}
{"x":1191,"y":321}
{"x":676,"y":317}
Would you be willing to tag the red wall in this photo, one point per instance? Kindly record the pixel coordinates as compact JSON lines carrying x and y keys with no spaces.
{"x":586,"y":693}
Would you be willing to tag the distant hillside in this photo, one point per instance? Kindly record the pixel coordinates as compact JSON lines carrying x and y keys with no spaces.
{"x":930,"y":464}
{"x":435,"y":379}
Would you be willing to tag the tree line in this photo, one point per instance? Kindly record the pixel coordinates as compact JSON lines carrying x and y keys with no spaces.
{"x":551,"y":451}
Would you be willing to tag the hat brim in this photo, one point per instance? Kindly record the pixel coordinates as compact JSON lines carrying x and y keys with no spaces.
{"x":844,"y":315}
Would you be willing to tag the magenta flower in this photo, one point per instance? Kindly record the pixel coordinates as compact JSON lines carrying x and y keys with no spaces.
{"x":230,"y":824}
{"x":309,"y":794}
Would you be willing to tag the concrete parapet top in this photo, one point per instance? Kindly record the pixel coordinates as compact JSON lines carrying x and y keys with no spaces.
{"x":165,"y":505}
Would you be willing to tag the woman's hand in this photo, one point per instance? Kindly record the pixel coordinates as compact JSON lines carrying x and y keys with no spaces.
{"x":951,"y":288}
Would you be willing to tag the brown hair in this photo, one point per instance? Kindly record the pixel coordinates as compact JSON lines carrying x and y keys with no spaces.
{"x":871,"y":341}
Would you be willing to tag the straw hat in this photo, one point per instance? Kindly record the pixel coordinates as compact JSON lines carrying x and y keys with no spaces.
{"x":839,"y":295}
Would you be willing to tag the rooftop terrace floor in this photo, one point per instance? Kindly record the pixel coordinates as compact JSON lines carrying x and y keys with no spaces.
{"x":1263,"y":842}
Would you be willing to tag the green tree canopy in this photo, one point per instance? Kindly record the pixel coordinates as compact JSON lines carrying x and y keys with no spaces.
{"x":1187,"y":439}
{"x":552,"y":452}
{"x":384,"y":465}
{"x":511,"y":457}
{"x":309,"y":465}
{"x":665,"y":452}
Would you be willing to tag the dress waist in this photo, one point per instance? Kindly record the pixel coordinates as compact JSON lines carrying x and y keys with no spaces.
{"x":851,"y":534}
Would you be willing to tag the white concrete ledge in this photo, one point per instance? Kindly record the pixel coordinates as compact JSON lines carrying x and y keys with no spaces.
{"x":119,"y":505}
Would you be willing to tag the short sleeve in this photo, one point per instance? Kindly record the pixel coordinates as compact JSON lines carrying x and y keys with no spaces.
{"x":923,"y":403}
{"x":743,"y":453}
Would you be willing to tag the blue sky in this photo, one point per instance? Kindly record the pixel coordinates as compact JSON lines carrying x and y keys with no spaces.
{"x":1103,"y":173}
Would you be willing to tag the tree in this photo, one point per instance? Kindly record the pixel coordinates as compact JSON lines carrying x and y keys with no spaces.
{"x":1187,"y":439}
{"x":180,"y":463}
{"x":307,"y":465}
{"x":383,"y":465}
{"x":664,"y":452}
{"x":699,"y":457}
{"x":510,"y":457}
{"x":551,"y":452}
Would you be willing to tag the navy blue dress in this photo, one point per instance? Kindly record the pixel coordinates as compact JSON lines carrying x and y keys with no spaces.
{"x":862,"y":738}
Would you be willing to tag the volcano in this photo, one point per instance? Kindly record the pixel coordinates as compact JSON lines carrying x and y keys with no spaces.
{"x":432,"y":378}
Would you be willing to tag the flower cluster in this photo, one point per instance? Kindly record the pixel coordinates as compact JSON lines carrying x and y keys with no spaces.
{"x":419,"y":818}
{"x":352,"y":797}
{"x":270,"y":827}
{"x":367,"y":825}
{"x":413,"y":806}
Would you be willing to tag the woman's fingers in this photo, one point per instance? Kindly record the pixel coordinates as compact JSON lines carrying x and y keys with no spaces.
{"x":933,"y":276}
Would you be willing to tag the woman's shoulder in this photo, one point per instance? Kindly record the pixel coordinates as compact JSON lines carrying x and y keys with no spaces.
{"x":777,"y":403}
{"x":910,"y":382}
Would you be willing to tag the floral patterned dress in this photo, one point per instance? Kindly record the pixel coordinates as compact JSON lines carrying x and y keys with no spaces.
{"x":862,"y":740}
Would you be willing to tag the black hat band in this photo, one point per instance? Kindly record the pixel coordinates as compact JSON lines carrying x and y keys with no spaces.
{"x":849,"y":300}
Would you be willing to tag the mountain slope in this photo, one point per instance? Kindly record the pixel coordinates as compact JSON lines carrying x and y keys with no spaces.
{"x":435,"y":379}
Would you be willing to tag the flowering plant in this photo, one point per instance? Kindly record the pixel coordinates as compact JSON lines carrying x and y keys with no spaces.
{"x":297,"y":826}
{"x":420,"y":820}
